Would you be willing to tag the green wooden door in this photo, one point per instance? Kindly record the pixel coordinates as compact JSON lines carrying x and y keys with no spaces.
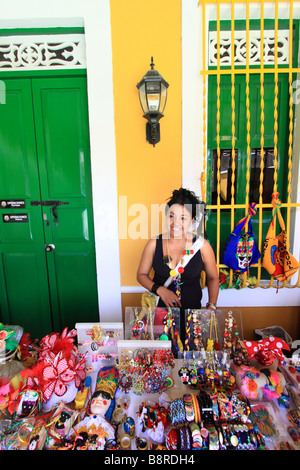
{"x":241,"y":149}
{"x":54,"y":161}
{"x":24,"y":293}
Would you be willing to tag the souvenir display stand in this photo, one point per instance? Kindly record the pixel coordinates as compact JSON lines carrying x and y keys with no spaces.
{"x":98,"y":342}
{"x":153,"y":323}
{"x":139,"y":386}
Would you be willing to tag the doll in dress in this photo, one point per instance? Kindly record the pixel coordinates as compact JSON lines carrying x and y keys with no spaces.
{"x":95,"y":429}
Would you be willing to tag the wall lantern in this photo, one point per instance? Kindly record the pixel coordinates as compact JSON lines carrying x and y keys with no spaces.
{"x":153,"y":97}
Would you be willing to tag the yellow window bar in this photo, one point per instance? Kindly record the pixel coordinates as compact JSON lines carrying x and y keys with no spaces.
{"x":232,"y":132}
{"x":262,"y":141}
{"x":290,"y":149}
{"x":276,"y":98}
{"x":275,"y":109}
{"x":247,"y":71}
{"x":218,"y":135}
{"x":248,"y":119}
{"x":203,"y":174}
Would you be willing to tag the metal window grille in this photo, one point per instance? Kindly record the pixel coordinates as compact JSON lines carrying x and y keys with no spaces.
{"x":279,"y":59}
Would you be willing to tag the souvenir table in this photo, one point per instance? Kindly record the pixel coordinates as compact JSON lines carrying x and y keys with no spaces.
{"x":138,"y":387}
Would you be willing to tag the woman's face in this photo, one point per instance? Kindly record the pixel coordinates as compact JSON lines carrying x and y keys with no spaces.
{"x":100,"y":403}
{"x":178,"y":220}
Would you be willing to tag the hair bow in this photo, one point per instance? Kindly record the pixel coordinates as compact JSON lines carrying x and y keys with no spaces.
{"x":267,"y":345}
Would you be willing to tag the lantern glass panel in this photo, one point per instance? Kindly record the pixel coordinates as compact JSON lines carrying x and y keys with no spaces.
{"x":143,"y":98}
{"x":163,"y":98}
{"x":153,"y":96}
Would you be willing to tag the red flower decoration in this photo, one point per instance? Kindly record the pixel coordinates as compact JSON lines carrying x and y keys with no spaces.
{"x":57,"y":375}
{"x":78,"y":366}
{"x":3,"y":334}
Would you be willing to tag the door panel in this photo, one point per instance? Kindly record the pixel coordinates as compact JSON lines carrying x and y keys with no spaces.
{"x":18,"y":170}
{"x":73,"y":226}
{"x":63,"y":137}
{"x":27,"y":289}
{"x":61,"y":120}
{"x":74,"y":299}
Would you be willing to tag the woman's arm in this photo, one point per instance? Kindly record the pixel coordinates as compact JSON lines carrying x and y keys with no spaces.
{"x":169,"y":298}
{"x":210,"y":267}
{"x":145,"y":265}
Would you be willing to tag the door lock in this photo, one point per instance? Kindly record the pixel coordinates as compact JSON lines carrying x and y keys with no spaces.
{"x":52,"y":204}
{"x":50,"y":247}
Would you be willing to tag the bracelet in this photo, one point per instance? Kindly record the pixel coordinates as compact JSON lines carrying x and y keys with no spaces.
{"x":189,"y":407}
{"x":185,"y":438}
{"x":154,"y":288}
{"x":141,"y":443}
{"x":211,"y":305}
{"x":177,"y":412}
{"x":196,"y":408}
{"x":125,"y":441}
{"x":195,"y":436}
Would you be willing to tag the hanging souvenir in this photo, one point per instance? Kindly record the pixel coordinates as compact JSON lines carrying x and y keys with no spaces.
{"x":213,"y":344}
{"x":137,"y":326}
{"x":241,"y":251}
{"x":232,"y":342}
{"x":277,"y":257}
{"x":171,"y":331}
{"x":197,"y":331}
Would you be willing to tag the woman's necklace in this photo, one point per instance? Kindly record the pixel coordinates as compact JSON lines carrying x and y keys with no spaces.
{"x":173,"y":273}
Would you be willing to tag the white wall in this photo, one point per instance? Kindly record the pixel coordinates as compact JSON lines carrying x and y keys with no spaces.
{"x":192,"y":136}
{"x":94,"y":15}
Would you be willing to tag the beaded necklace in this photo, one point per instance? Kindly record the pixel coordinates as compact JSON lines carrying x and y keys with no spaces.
{"x":176,"y":274}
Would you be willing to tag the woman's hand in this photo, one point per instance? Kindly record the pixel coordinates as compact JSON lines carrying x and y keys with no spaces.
{"x":168,"y":297}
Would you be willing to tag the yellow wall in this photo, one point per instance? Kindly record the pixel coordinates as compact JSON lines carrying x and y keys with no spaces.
{"x":145,"y":174}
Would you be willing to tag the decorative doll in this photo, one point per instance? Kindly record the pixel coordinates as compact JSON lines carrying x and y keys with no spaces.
{"x":62,"y":419}
{"x":96,"y":427}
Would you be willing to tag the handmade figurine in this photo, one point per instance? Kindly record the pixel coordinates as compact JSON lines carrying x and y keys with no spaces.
{"x":96,"y":428}
{"x":61,"y":421}
{"x":261,"y":378}
{"x":258,"y":384}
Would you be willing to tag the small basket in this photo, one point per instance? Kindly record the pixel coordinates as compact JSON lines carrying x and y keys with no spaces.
{"x":277,"y":332}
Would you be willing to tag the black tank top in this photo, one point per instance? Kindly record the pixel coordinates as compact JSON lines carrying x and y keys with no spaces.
{"x":191,"y":292}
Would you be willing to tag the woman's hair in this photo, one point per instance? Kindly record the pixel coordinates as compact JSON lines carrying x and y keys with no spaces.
{"x":187,"y":198}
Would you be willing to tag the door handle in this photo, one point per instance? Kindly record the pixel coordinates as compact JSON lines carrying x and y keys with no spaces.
{"x":50,"y":247}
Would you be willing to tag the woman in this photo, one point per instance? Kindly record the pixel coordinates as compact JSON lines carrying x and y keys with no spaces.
{"x":178,"y":257}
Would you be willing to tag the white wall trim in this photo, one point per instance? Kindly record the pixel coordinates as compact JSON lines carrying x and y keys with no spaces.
{"x":95,"y":16}
{"x":42,"y":52}
{"x":192,"y":142}
{"x":133,"y":290}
